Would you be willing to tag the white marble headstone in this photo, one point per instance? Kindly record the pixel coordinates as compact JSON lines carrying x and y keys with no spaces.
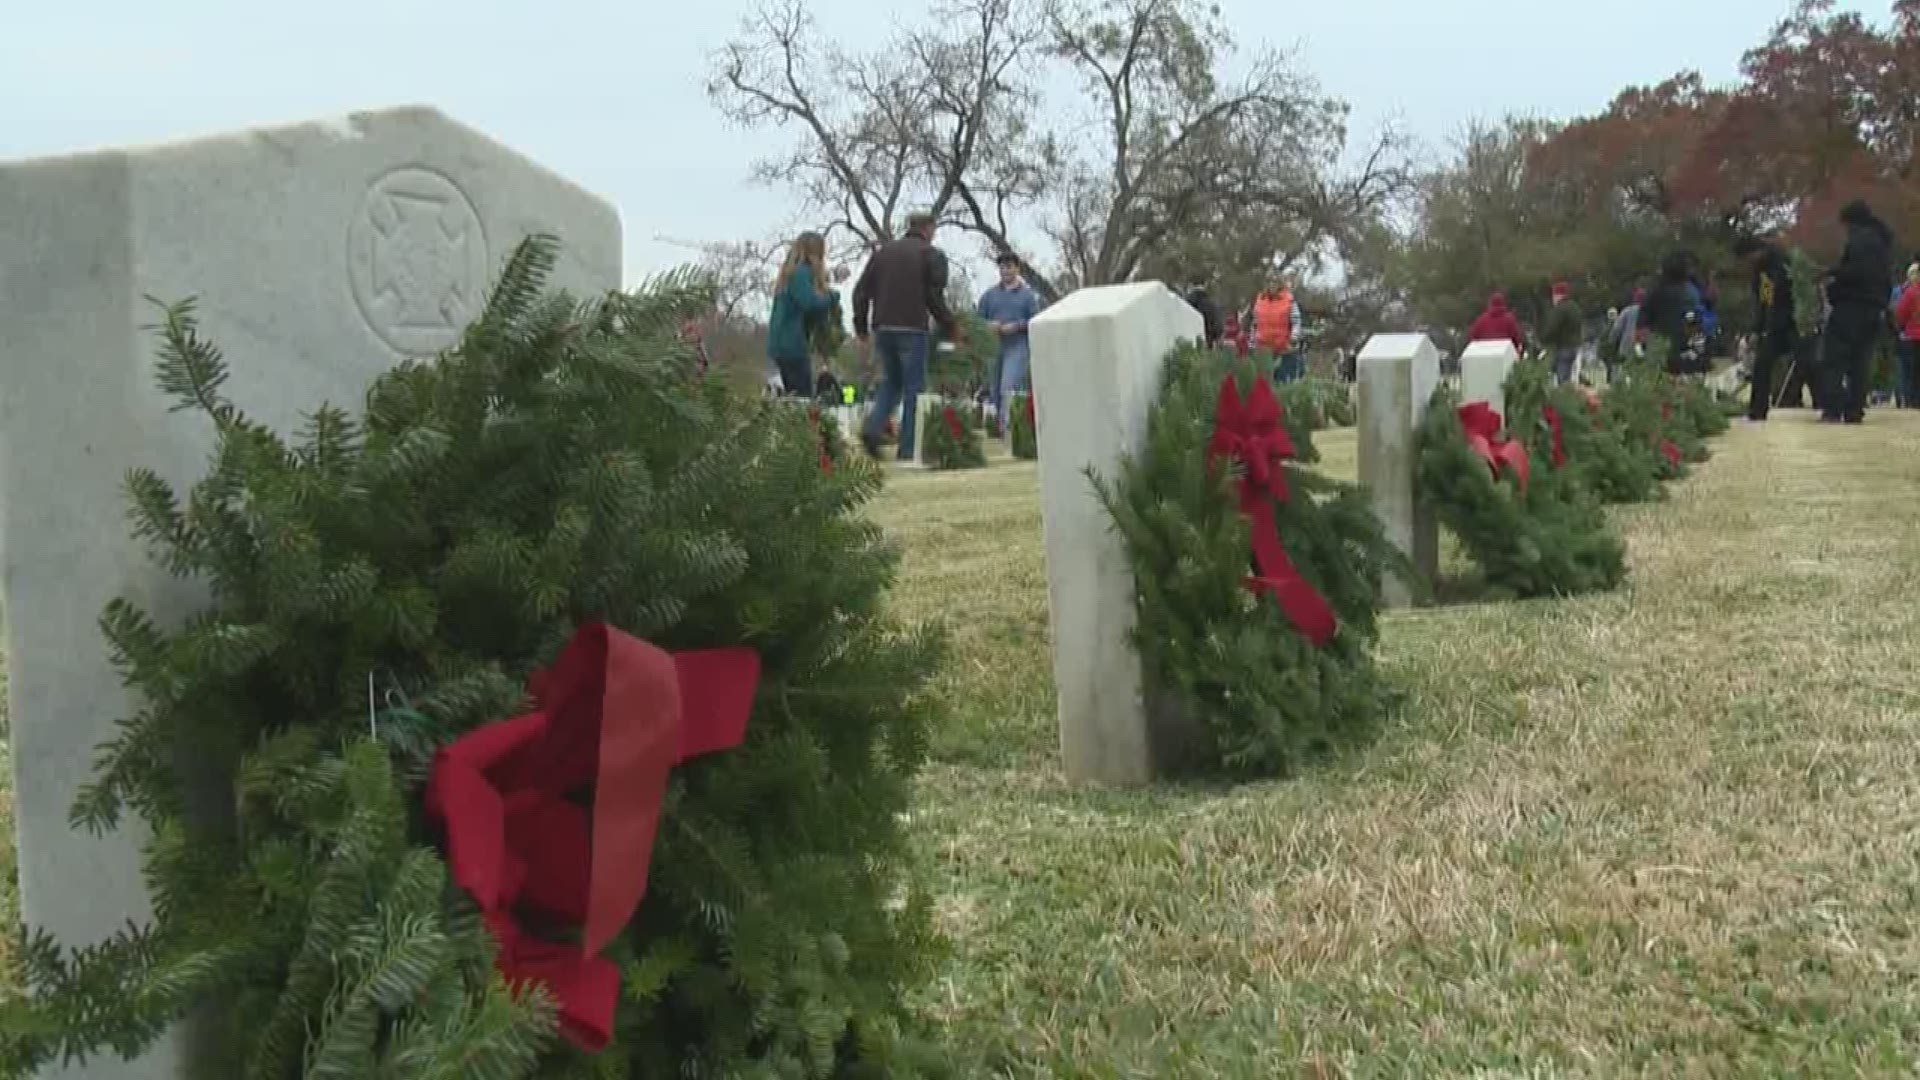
{"x":1097,"y":358}
{"x":1398,"y":374}
{"x":321,"y":254}
{"x":1483,"y":373}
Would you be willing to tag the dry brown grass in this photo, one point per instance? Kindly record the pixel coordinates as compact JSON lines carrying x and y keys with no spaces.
{"x":1666,"y":831}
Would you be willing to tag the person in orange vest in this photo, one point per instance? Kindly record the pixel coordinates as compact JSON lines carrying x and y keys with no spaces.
{"x":1276,"y":330}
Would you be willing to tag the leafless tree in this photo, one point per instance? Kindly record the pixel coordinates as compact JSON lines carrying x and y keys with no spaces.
{"x":952,"y":119}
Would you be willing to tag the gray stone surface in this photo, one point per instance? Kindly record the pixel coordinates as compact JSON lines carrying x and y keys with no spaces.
{"x":1483,"y":373}
{"x":321,"y":254}
{"x":1097,"y":357}
{"x":1398,"y":374}
{"x":925,"y":408}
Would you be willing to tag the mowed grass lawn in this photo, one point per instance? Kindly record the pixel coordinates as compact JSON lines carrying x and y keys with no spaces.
{"x":1670,"y":831}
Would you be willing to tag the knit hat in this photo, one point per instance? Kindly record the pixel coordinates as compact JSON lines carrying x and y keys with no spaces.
{"x":1562,"y":290}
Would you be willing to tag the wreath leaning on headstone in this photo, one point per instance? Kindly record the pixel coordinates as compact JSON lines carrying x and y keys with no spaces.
{"x":952,"y":438}
{"x":1565,"y":425}
{"x":1023,"y":427}
{"x":423,"y":698}
{"x":1530,"y":527}
{"x":1257,"y":579}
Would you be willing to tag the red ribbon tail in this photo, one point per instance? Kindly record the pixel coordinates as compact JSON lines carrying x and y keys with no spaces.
{"x":1299,"y":600}
{"x":1515,"y":455}
{"x":585,"y":988}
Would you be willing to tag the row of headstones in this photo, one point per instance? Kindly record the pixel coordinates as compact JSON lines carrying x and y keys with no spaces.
{"x":326,"y":253}
{"x":1097,"y":358}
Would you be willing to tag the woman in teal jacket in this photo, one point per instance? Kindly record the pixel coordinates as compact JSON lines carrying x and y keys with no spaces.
{"x":801,"y":299}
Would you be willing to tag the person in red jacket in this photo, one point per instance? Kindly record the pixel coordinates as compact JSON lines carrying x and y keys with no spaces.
{"x":1497,"y":323}
{"x":1906,"y":322}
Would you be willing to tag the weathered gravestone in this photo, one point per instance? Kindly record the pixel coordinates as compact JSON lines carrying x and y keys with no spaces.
{"x":925,"y":411}
{"x":321,"y":254}
{"x":1398,"y":374}
{"x":1097,"y":357}
{"x":1483,"y":373}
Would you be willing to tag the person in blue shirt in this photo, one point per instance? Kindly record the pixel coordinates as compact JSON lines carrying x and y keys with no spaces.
{"x":801,"y":298}
{"x":1007,"y":307}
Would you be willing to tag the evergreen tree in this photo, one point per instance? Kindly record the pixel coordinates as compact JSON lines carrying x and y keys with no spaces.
{"x":563,"y":465}
{"x":1262,"y":695}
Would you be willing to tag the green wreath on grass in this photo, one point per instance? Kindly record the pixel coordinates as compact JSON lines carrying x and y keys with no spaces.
{"x":1219,"y":647}
{"x":953,"y":438}
{"x":1023,"y":434}
{"x":1532,"y":531}
{"x":1566,"y":426}
{"x":1320,"y":403}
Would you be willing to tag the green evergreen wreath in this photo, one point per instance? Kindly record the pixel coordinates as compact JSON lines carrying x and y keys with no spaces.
{"x":1023,"y":436}
{"x":1553,"y":539}
{"x":827,"y":331}
{"x":952,"y":437}
{"x":562,"y":465}
{"x":1599,"y":456}
{"x":1260,"y":695}
{"x":833,"y":444}
{"x":1634,"y":406}
{"x":1702,"y":409}
{"x":1322,"y":402}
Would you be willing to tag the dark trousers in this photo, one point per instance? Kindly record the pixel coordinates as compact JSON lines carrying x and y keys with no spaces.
{"x":903,"y":372}
{"x":1772,"y":350}
{"x":1906,"y":393}
{"x":1803,"y":379}
{"x":1852,"y":330}
{"x":796,"y":374}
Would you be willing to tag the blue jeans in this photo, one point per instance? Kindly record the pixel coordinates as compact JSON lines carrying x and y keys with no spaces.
{"x":1563,"y":361}
{"x":1906,"y":387}
{"x":1016,"y":360}
{"x":1293,"y":366}
{"x":903,"y":372}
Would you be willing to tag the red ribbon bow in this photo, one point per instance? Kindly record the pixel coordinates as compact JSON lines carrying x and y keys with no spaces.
{"x":953,"y":422}
{"x":1252,"y":432}
{"x":1482,"y":426}
{"x":616,"y":714}
{"x":1559,"y":441}
{"x":1672,"y":452}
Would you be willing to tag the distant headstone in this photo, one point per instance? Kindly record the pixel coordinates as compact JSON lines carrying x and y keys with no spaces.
{"x":1398,"y":374}
{"x":1097,"y":357}
{"x":321,"y":254}
{"x":924,"y":408}
{"x":1483,"y":372}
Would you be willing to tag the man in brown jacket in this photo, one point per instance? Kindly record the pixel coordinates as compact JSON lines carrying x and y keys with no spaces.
{"x":900,"y":296}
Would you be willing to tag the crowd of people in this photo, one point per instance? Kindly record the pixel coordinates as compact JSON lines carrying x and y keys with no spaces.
{"x":899,"y":303}
{"x":1830,"y":362}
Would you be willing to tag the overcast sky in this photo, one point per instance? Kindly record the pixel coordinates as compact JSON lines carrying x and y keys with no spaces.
{"x":611,"y":92}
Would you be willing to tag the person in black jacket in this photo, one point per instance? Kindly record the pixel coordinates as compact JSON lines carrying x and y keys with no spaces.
{"x":1857,"y":288}
{"x":1664,"y":312}
{"x":900,"y":296}
{"x":1198,"y":300}
{"x":1773,"y":326}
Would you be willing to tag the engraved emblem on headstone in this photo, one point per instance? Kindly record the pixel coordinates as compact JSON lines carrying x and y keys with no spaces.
{"x":417,"y":260}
